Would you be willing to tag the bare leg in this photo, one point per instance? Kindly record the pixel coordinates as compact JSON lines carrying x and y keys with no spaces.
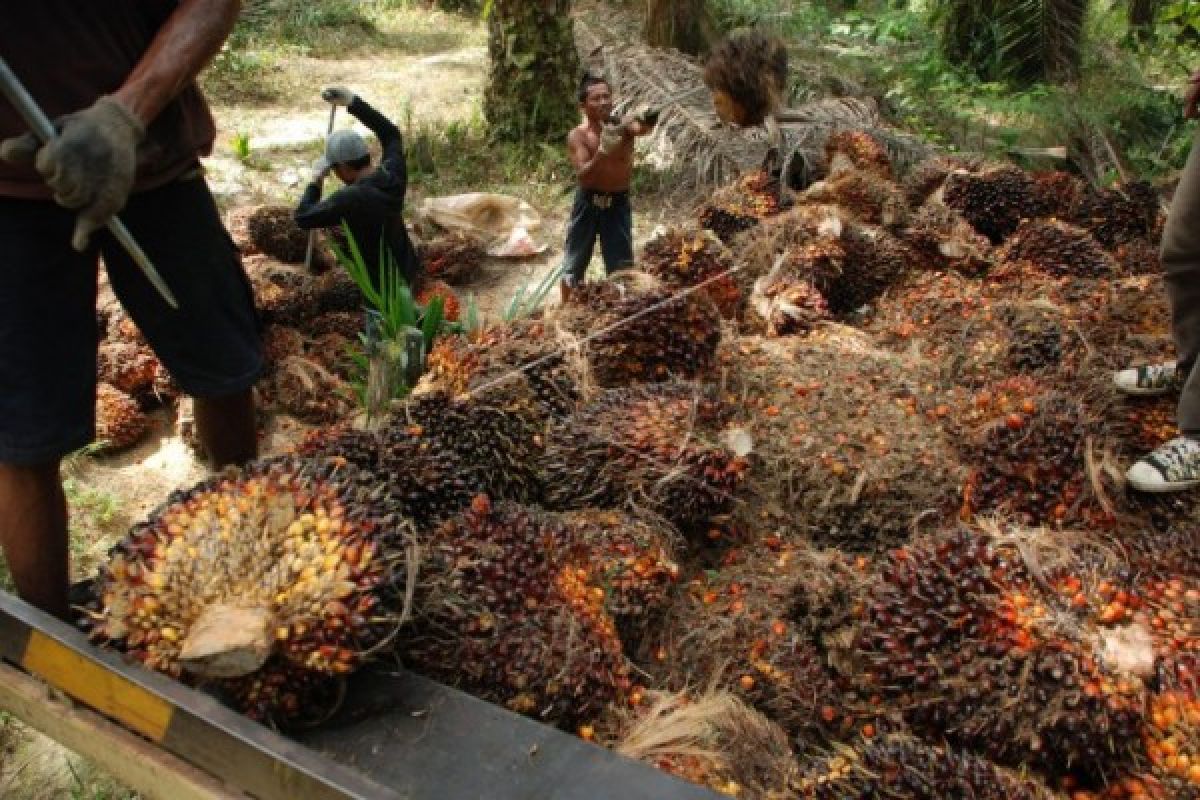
{"x":33,"y":532}
{"x":225,"y":426}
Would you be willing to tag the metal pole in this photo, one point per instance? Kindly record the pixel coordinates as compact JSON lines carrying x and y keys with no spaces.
{"x":312,"y":235}
{"x":42,"y":128}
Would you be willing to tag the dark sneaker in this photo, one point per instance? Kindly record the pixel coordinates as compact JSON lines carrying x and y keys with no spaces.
{"x":1171,"y":468}
{"x":1150,"y":380}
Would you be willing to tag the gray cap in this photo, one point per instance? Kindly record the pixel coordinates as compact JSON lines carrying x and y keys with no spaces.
{"x":344,"y":145}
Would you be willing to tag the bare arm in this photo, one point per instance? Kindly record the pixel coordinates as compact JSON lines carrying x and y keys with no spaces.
{"x":584,"y":160}
{"x":183,"y":46}
{"x":1192,"y":97}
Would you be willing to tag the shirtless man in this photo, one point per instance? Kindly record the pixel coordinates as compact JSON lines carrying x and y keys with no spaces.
{"x":601,"y":150}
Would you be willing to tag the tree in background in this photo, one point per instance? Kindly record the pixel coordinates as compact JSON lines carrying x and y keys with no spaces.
{"x":1020,"y":40}
{"x":687,"y":25}
{"x":534,"y":69}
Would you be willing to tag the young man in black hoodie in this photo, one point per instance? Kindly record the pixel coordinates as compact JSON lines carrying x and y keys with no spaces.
{"x":371,"y":202}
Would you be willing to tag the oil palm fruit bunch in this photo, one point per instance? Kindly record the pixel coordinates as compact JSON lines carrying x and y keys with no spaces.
{"x":1058,"y":249}
{"x":332,"y":353}
{"x":126,"y":366}
{"x":740,"y":206}
{"x":857,"y":150}
{"x":454,"y":257}
{"x":993,"y":201}
{"x":943,"y":238}
{"x":867,"y":196}
{"x":842,"y":436}
{"x":281,"y":343}
{"x":1059,"y":192}
{"x":1037,"y":341}
{"x":632,"y":556}
{"x":308,"y":390}
{"x":460,"y":364}
{"x":636,"y":330}
{"x":656,"y":447}
{"x":747,"y":76}
{"x":1119,"y":214}
{"x":344,"y":323}
{"x":513,"y":616}
{"x":927,"y":177}
{"x":121,"y":328}
{"x":681,"y":258}
{"x":287,"y":559}
{"x":337,"y":291}
{"x":283,"y":295}
{"x":120,"y":423}
{"x":1028,"y":457}
{"x":785,"y":305}
{"x":900,"y":766}
{"x":273,"y":231}
{"x":711,"y":739}
{"x":730,"y":627}
{"x":451,"y":306}
{"x":958,"y":634}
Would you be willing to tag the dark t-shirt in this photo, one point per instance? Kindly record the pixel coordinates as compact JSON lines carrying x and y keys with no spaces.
{"x":67,"y":53}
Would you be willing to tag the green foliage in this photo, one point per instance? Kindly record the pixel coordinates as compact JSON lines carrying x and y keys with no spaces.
{"x":241,"y":146}
{"x":529,"y":297}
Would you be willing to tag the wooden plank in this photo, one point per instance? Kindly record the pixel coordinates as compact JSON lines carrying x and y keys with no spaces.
{"x":154,"y":773}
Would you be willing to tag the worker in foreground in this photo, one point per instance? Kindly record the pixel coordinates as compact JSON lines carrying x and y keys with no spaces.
{"x":371,"y":202}
{"x":1175,"y":465}
{"x":119,"y":79}
{"x":601,"y":151}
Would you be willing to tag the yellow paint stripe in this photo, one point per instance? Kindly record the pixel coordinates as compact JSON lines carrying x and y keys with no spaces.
{"x":97,"y":687}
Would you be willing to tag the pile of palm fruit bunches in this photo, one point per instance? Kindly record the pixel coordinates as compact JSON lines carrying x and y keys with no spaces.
{"x":844,"y":522}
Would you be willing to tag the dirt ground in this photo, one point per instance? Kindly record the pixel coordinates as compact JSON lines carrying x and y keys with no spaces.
{"x":425,"y":70}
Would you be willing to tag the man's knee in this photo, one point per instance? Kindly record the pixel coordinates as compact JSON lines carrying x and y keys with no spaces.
{"x":13,"y":475}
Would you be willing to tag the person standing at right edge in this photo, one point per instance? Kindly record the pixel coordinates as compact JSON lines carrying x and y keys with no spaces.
{"x":1175,"y":465}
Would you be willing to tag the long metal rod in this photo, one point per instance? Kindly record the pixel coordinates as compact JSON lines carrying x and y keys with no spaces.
{"x":36,"y":119}
{"x":312,"y":235}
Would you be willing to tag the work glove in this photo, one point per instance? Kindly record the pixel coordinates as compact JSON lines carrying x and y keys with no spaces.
{"x":647,"y":116}
{"x":89,"y":166}
{"x":320,"y":169}
{"x":611,"y":136}
{"x":337,"y":95}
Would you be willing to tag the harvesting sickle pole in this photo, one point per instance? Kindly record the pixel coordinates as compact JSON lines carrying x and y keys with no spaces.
{"x":37,"y":120}
{"x":312,"y":235}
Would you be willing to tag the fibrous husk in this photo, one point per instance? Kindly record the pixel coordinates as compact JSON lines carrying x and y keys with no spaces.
{"x":281,"y":343}
{"x":309,"y":551}
{"x":633,"y":329}
{"x":732,"y":628}
{"x":1058,"y":248}
{"x":455,"y":257}
{"x":656,"y":447}
{"x":345,"y":323}
{"x":900,"y":766}
{"x":995,"y":640}
{"x":993,"y":201}
{"x":856,"y":150}
{"x":120,"y":423}
{"x":849,"y":263}
{"x":845,"y":450}
{"x":681,"y":258}
{"x":523,"y":351}
{"x":868,"y":197}
{"x":927,"y":177}
{"x":302,"y":387}
{"x":122,"y":328}
{"x":944,"y":239}
{"x":749,"y":68}
{"x":514,"y":613}
{"x":711,"y":738}
{"x":783,"y":304}
{"x":337,"y":291}
{"x":1121,"y":214}
{"x":128,"y":367}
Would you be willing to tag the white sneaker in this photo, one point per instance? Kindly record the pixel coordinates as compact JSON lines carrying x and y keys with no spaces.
{"x":1171,"y":468}
{"x":1149,"y":380}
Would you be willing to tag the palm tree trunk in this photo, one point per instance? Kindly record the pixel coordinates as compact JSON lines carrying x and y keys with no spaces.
{"x":534,"y":69}
{"x":686,"y":25}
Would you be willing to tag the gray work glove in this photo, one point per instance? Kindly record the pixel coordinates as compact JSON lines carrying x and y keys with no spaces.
{"x":337,"y":95}
{"x":611,"y":136}
{"x":90,"y":166}
{"x":320,"y":169}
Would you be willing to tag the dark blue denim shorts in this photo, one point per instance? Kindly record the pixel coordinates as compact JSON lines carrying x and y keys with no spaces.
{"x":211,"y":345}
{"x":607,"y":216}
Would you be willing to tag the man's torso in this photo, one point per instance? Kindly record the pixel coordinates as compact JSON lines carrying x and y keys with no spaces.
{"x":612,"y":174}
{"x":68,"y":53}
